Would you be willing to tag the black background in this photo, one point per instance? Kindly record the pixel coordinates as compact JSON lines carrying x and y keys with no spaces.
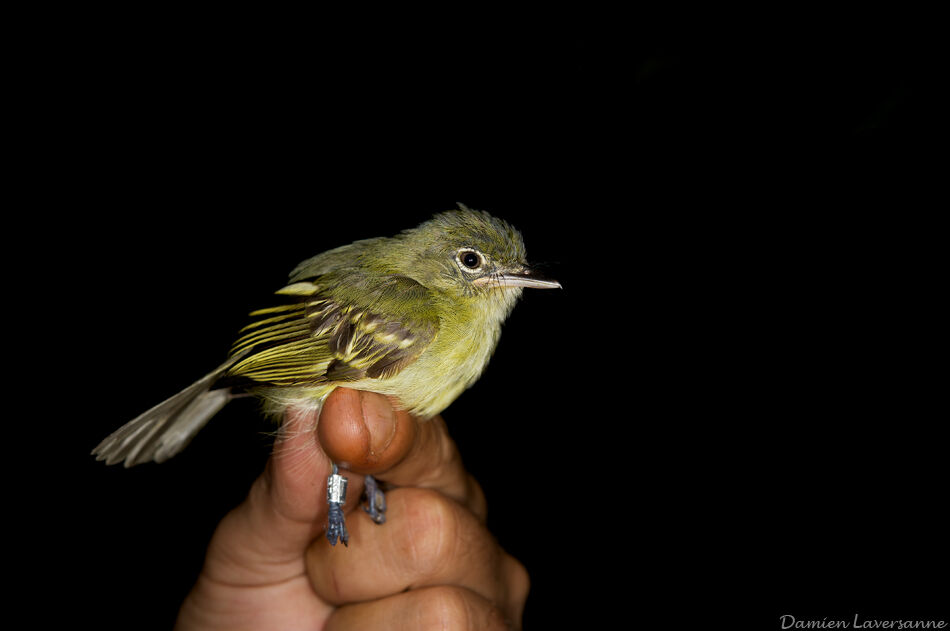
{"x":725,"y":416}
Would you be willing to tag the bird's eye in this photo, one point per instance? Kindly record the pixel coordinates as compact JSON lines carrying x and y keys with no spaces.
{"x":470,"y":259}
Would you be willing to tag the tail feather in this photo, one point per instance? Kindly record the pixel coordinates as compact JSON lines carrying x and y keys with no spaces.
{"x":164,"y":430}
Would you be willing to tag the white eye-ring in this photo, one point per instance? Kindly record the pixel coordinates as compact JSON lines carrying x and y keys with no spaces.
{"x":471,"y":260}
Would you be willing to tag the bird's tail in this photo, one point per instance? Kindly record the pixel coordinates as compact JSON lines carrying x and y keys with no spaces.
{"x":163,"y":431}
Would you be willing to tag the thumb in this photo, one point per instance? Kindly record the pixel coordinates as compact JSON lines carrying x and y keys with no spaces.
{"x":261,"y":541}
{"x":363,"y":432}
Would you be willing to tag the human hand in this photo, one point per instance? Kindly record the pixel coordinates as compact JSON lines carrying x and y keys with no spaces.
{"x":432,"y":564}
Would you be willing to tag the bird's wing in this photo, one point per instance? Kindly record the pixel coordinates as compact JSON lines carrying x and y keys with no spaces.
{"x":343,"y":326}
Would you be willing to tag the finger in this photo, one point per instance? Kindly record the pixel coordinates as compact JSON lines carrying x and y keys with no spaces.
{"x":362,"y":432}
{"x":440,"y":607}
{"x":428,"y":540}
{"x":261,"y":540}
{"x":367,"y":435}
{"x":433,"y":462}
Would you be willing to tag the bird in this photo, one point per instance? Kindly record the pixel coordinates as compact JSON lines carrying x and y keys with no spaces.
{"x":415,"y":316}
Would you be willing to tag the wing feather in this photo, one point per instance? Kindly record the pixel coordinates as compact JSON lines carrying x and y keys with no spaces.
{"x":381,"y":333}
{"x":332,"y":333}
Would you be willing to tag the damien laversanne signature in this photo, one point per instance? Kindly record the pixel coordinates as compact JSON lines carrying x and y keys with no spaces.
{"x":789,"y":621}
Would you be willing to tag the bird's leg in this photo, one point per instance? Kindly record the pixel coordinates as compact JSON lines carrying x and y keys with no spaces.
{"x":375,"y":500}
{"x":336,"y":496}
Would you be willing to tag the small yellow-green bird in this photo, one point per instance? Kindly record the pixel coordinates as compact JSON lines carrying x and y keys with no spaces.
{"x":416,"y":316}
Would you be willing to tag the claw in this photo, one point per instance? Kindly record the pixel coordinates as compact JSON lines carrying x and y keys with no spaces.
{"x":336,"y":526}
{"x":375,"y":501}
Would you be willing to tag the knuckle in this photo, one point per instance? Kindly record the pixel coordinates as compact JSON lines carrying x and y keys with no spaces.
{"x":520,"y":580}
{"x":430,"y":541}
{"x":519,"y":584}
{"x":458,"y":609}
{"x":445,"y":608}
{"x":443,"y":454}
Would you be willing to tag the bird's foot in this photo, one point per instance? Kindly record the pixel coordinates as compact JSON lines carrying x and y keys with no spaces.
{"x":375,"y":500}
{"x":336,"y":496}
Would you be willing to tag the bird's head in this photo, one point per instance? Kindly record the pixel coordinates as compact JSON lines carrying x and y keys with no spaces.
{"x":471,"y":255}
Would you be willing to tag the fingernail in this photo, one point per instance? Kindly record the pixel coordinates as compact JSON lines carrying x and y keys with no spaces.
{"x":379,"y":417}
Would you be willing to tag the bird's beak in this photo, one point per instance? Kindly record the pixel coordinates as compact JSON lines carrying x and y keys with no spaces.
{"x":524,"y":277}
